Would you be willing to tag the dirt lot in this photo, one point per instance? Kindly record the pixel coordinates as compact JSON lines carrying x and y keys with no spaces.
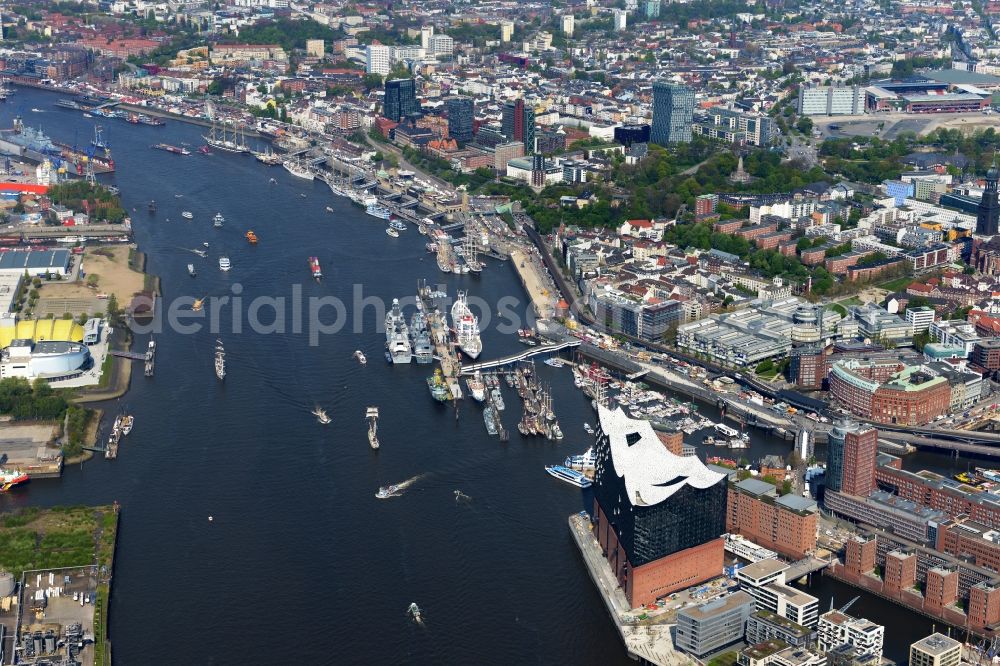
{"x":110,"y":266}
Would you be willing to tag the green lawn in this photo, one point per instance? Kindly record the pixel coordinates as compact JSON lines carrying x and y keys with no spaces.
{"x":33,"y":538}
{"x":897,"y":284}
{"x":847,"y":302}
{"x":840,"y":309}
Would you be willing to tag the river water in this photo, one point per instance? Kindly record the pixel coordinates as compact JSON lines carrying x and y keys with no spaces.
{"x":300,"y":559}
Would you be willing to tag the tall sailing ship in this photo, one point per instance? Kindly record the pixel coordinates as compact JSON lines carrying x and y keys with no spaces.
{"x":220,"y":138}
{"x":466,"y":327}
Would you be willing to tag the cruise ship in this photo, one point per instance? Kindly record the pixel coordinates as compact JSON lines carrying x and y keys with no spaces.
{"x":570,"y":476}
{"x":466,"y":327}
{"x":397,"y":335}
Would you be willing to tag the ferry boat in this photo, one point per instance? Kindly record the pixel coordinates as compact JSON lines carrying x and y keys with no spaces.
{"x":218,"y":220}
{"x":314,"y":268}
{"x":321,"y":416}
{"x":392,"y":232}
{"x":585,"y":462}
{"x":224,"y":264}
{"x":251,"y":237}
{"x":385,"y":492}
{"x":298,"y":169}
{"x":466,"y":327}
{"x":989,"y":474}
{"x":726,"y":431}
{"x":378,"y":210}
{"x":372,"y":415}
{"x":476,"y":386}
{"x":220,"y":360}
{"x":191,"y":270}
{"x":358,"y":354}
{"x":176,"y":150}
{"x":10,"y":478}
{"x":438,"y":387}
{"x":187,"y":215}
{"x":397,"y":225}
{"x":570,"y":476}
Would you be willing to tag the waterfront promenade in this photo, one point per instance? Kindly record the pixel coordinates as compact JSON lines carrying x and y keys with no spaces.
{"x":652,"y":643}
{"x":540,"y":290}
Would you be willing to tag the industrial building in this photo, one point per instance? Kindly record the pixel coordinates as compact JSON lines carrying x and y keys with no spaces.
{"x":35,"y":262}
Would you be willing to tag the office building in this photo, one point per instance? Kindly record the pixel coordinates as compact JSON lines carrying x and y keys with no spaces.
{"x":887,"y":391}
{"x":707,"y":628}
{"x":400,"y":99}
{"x":657,"y":516}
{"x":763,"y":625}
{"x":786,"y":524}
{"x":988,"y":211}
{"x":936,"y":650}
{"x":837,"y":628}
{"x":831,"y":100}
{"x":461,"y":114}
{"x":441,"y":45}
{"x":377,"y":59}
{"x":673,"y":113}
{"x":851,"y":453}
{"x":736,"y":126}
{"x":518,"y":124}
{"x":765,"y":582}
{"x":426,"y":32}
{"x":652,"y":9}
{"x":920,"y":318}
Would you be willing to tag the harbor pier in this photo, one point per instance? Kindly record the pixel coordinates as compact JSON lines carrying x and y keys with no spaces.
{"x":444,"y":348}
{"x":540,"y":291}
{"x":647,"y":641}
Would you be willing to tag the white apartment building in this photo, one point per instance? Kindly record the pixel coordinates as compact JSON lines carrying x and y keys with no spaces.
{"x":378,"y":59}
{"x":765,"y":582}
{"x":837,"y":628}
{"x":920,"y":318}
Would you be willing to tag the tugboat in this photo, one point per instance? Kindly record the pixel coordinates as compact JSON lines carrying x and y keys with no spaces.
{"x":414,"y":612}
{"x":10,"y":478}
{"x":220,"y":360}
{"x":314,"y":267}
{"x":438,"y":388}
{"x":321,"y":416}
{"x":372,"y":416}
{"x":386,"y":492}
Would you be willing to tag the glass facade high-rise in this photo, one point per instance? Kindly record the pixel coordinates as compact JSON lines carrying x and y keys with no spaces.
{"x":518,"y":124}
{"x":673,"y":113}
{"x":851,"y":453}
{"x":689,"y":517}
{"x":461,"y":113}
{"x":400,"y":99}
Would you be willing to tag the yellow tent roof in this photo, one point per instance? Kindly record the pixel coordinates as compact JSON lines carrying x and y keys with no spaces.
{"x":42,"y":329}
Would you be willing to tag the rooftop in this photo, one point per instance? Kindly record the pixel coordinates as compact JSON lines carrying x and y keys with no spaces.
{"x":718,"y":606}
{"x":936,"y":644}
{"x":651,"y":472}
{"x":762,"y":569}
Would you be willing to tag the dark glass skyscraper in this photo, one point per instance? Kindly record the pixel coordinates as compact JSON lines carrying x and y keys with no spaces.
{"x":518,"y":124}
{"x":673,"y":113}
{"x":461,"y":113}
{"x":400,"y":99}
{"x":988,"y":213}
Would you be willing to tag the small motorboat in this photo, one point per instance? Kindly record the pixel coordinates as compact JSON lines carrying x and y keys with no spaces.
{"x":358,"y":354}
{"x":321,"y":416}
{"x":329,"y":210}
{"x":414,"y":612}
{"x":187,"y":215}
{"x":205,"y":244}
{"x":392,"y":232}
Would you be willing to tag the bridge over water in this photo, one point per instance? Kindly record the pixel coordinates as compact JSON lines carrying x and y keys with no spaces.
{"x":514,"y":358}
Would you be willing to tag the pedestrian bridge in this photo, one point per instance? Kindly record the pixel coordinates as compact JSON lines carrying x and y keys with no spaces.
{"x":514,"y":358}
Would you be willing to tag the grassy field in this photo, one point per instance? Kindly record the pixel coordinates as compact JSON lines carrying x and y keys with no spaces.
{"x":837,"y":308}
{"x":33,"y":538}
{"x":897,"y":284}
{"x":847,"y":302}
